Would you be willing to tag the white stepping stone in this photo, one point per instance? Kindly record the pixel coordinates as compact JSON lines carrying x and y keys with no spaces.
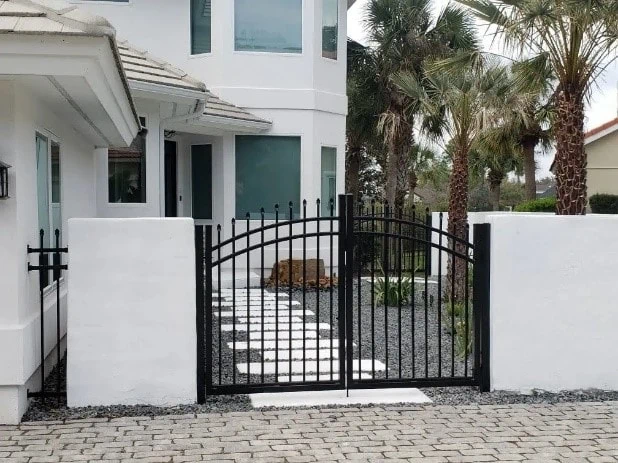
{"x":310,"y":366}
{"x":273,"y":327}
{"x":314,"y":377}
{"x":298,"y":354}
{"x":240,"y":304}
{"x":285,"y":344}
{"x":258,"y":313}
{"x":282,"y":320}
{"x":272,"y":335}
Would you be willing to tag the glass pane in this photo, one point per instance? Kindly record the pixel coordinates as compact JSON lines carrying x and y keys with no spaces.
{"x":55,"y":180}
{"x":329,"y":178}
{"x":42,"y":186}
{"x":330,"y":26}
{"x":268,"y":25}
{"x":201,"y":15}
{"x":127,"y":173}
{"x":267,"y":173}
{"x":201,"y":175}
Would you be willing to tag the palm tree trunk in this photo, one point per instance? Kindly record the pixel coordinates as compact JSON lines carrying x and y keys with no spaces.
{"x":570,"y":154}
{"x":392,"y":164}
{"x":528,"y":146}
{"x":352,"y":174}
{"x":458,"y":222}
{"x":412,"y":184}
{"x":495,"y":180}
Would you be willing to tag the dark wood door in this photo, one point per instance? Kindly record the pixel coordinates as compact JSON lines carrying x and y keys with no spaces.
{"x":171,"y":179}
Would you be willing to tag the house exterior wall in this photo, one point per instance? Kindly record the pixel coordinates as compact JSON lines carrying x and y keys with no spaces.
{"x":301,"y":94}
{"x":21,"y":117}
{"x":603,"y":165}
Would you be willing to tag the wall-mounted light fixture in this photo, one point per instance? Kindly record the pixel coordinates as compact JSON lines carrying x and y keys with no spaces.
{"x":4,"y":180}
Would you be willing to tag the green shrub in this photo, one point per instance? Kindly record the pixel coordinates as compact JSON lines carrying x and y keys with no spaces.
{"x":391,"y":294}
{"x":538,"y":205}
{"x":457,"y":312}
{"x":604,"y":204}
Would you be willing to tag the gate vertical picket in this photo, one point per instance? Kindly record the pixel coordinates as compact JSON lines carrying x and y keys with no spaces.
{"x":481,"y":301}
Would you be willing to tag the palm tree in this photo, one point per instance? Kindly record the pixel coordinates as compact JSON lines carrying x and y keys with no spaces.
{"x":363,"y":109}
{"x":467,"y":102}
{"x":404,"y":35}
{"x":576,"y":39}
{"x":495,"y":155}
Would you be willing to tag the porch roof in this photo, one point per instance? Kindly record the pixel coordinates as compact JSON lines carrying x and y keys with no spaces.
{"x":141,"y":66}
{"x":66,"y":23}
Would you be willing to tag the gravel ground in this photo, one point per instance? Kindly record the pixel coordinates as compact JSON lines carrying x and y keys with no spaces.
{"x":417,"y":361}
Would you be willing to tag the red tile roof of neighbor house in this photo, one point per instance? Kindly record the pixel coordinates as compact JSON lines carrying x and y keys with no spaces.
{"x":601,"y":128}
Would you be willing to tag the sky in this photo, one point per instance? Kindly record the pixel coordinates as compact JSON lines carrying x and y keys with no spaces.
{"x":604,"y":100}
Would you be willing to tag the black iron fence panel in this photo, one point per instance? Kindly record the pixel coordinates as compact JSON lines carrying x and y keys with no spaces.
{"x":49,"y":274}
{"x":343,"y":300}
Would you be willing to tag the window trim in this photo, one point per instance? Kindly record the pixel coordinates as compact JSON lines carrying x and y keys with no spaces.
{"x":262,"y":53}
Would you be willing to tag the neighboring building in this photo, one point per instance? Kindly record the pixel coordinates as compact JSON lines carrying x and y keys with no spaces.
{"x":602,"y":151}
{"x":284,"y":61}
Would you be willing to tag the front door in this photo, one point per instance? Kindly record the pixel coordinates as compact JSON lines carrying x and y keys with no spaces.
{"x":171,"y":179}
{"x":201,"y":181}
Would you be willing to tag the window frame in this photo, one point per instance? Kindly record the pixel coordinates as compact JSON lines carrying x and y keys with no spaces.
{"x":204,"y":53}
{"x":328,"y":59}
{"x":283,"y":208}
{"x":336,"y":149}
{"x":275,"y":53}
{"x":145,"y":154}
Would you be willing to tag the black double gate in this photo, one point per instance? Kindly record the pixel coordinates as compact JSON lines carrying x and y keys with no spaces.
{"x":342,"y":298}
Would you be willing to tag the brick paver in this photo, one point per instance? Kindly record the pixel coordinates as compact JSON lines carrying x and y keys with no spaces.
{"x":544,"y":433}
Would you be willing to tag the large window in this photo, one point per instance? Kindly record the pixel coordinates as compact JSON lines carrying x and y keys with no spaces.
{"x":127,"y":172}
{"x":329,"y":179}
{"x":48,"y":189}
{"x":267,"y":173}
{"x":330,"y":28}
{"x":201,"y":26}
{"x":274,"y":26}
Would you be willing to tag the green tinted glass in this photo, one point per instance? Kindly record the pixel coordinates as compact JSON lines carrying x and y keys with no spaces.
{"x":201,"y":30}
{"x":329,"y":178}
{"x":267,"y":173}
{"x":330,"y":28}
{"x":274,"y":26}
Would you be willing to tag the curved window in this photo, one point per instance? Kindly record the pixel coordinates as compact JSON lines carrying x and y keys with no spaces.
{"x":274,"y":26}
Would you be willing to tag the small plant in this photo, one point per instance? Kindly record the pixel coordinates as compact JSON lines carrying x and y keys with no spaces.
{"x":538,"y":205}
{"x":604,"y":204}
{"x":457,"y":312}
{"x":392,"y":292}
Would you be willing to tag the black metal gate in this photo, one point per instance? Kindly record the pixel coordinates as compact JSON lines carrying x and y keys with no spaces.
{"x":342,"y":298}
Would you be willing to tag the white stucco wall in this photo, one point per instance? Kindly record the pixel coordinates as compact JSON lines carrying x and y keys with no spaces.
{"x":22,"y":115}
{"x":301,"y":94}
{"x":131,"y":320}
{"x":553,"y":305}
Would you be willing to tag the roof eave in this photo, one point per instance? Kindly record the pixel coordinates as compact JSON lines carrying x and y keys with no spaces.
{"x":603,"y":133}
{"x":167,"y":92}
{"x":233,"y":124}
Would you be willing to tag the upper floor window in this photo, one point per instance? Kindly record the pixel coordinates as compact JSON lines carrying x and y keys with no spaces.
{"x":274,"y":26}
{"x":330,"y":28}
{"x":201,"y":30}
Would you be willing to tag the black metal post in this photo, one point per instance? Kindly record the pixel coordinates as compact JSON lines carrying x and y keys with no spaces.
{"x":348,"y":284}
{"x":481,"y":304}
{"x":341,"y":287}
{"x":200,"y":302}
{"x":57,"y":273}
{"x":42,"y":284}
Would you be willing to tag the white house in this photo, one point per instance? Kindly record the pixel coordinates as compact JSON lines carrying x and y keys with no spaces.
{"x":95,"y":126}
{"x":283,"y":61}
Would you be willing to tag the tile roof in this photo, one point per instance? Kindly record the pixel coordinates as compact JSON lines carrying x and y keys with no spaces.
{"x":55,"y":17}
{"x":602,"y":128}
{"x":140,"y":66}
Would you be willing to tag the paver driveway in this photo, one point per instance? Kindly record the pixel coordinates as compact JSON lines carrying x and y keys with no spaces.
{"x":564,"y":432}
